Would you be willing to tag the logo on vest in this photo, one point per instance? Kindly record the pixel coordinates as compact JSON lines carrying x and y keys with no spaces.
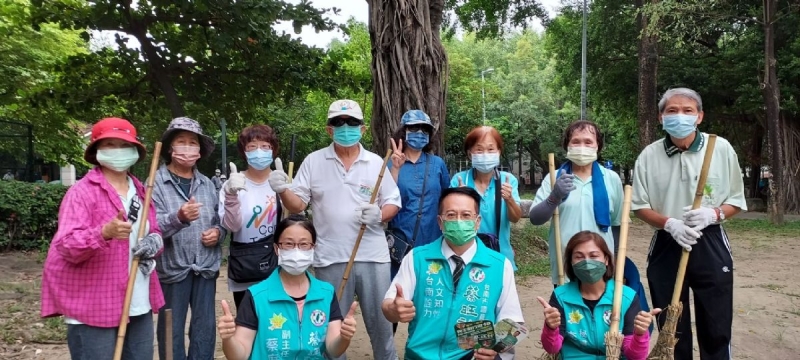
{"x":477,"y":275}
{"x":317,"y":317}
{"x":575,"y":317}
{"x":607,"y":317}
{"x":434,"y":268}
{"x":276,"y":321}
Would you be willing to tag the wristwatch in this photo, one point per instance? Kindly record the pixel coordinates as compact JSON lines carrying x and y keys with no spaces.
{"x":720,"y":215}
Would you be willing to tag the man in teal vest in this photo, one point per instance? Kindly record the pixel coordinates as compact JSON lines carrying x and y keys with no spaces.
{"x":452,"y":280}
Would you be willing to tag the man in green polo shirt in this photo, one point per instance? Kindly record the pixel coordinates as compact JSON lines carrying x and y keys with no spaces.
{"x":664,"y":182}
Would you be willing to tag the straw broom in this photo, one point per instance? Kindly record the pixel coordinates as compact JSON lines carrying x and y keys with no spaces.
{"x":551,"y":159}
{"x":363,"y":226}
{"x":126,"y":306}
{"x":613,"y":337}
{"x":665,"y":346}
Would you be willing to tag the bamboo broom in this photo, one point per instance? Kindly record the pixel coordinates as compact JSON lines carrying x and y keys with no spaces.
{"x":613,"y":337}
{"x":665,"y":346}
{"x":126,"y":306}
{"x":363,"y":226}
{"x":551,"y":159}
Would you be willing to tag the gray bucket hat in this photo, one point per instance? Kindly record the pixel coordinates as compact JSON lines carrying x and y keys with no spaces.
{"x":190,"y":125}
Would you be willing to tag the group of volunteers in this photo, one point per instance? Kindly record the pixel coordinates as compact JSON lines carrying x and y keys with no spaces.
{"x":448,"y":258}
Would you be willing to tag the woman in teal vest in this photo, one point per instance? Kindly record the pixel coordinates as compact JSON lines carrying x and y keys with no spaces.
{"x":291,"y":314}
{"x":579,"y":312}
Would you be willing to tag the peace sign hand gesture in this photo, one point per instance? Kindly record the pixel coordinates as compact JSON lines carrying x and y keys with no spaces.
{"x":398,"y":156}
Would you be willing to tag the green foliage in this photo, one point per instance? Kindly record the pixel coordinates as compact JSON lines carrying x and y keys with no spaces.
{"x":491,"y":18}
{"x":28,"y":214}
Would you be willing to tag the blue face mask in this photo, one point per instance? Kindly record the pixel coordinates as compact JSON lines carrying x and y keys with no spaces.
{"x":485,"y":163}
{"x":679,"y":126}
{"x":259,"y":159}
{"x":346,"y":135}
{"x":417,"y":139}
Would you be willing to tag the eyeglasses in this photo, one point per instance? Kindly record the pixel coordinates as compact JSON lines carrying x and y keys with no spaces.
{"x":418,"y":128}
{"x":339,"y":121}
{"x":291,"y":246}
{"x":452,"y":216}
{"x":253,"y":147}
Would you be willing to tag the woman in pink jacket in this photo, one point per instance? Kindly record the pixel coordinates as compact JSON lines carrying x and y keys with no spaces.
{"x":87,"y":267}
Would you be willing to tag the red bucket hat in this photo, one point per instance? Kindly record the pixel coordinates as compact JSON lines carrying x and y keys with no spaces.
{"x":112,"y":128}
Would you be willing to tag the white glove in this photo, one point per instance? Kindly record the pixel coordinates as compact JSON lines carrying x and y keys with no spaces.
{"x":278,"y":180}
{"x":684,"y":235}
{"x":235,"y":183}
{"x":369,"y":214}
{"x":700,"y":218}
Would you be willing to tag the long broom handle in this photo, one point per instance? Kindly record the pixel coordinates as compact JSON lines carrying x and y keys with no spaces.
{"x":619,"y":276}
{"x":291,"y":169}
{"x":168,"y":331}
{"x":551,"y":159}
{"x":126,"y":306}
{"x":363,"y":228}
{"x":698,"y":200}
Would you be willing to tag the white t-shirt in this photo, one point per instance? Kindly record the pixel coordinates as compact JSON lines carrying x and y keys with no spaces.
{"x":334,"y":194}
{"x":140,"y":299}
{"x":258,"y":207}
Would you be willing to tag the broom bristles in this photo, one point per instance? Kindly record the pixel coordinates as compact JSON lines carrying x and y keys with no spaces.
{"x":665,"y":346}
{"x":546,"y":355}
{"x":613,"y":345}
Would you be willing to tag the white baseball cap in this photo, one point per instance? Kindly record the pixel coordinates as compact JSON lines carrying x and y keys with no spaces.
{"x":345,"y":107}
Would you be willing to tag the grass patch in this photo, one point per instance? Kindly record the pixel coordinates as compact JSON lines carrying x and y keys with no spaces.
{"x":530,"y":247}
{"x":762,"y":227}
{"x":772,"y":287}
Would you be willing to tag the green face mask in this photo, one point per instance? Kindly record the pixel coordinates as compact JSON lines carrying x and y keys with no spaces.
{"x":589,"y":271}
{"x":459,"y":232}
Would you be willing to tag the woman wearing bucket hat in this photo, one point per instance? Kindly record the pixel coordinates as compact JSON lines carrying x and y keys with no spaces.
{"x":421,"y":177}
{"x":86,"y":271}
{"x":250,"y":209}
{"x":187,"y":204}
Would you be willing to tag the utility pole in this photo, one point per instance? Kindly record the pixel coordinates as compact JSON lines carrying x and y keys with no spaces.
{"x":583,"y":65}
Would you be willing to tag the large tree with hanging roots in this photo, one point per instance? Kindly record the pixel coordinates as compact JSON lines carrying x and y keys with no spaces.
{"x":409,"y":64}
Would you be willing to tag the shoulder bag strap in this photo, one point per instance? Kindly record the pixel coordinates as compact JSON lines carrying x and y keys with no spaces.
{"x":498,"y":201}
{"x":421,"y":198}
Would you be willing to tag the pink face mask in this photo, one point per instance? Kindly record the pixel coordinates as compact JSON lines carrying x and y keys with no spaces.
{"x":186,"y":155}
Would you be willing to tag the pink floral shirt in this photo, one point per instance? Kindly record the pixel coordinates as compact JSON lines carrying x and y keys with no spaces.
{"x":85,"y":276}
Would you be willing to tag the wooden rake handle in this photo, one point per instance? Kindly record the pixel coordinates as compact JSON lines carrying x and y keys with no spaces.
{"x":363,"y":228}
{"x":126,"y":306}
{"x":619,"y":275}
{"x":698,"y":201}
{"x":551,"y":159}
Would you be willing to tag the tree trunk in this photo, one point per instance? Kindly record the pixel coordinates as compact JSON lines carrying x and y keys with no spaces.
{"x":756,"y":149}
{"x":409,"y":66}
{"x":771,"y":93}
{"x":648,"y":80}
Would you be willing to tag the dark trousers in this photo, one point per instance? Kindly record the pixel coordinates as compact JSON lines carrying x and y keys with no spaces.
{"x":197,"y":293}
{"x":88,"y":342}
{"x":709,"y":274}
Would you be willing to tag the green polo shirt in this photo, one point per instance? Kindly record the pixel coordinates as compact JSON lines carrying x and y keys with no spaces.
{"x":665,"y":177}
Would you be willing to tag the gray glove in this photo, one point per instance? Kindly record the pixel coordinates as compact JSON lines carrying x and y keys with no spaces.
{"x":146,"y":266}
{"x":148,"y":247}
{"x":564,"y":185}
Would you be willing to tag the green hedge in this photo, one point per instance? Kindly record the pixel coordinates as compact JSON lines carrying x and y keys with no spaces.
{"x":28,"y":214}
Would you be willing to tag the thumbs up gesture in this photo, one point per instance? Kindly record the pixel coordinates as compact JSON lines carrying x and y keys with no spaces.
{"x":404,"y":309}
{"x":117,"y":228}
{"x":506,"y":190}
{"x":278,"y":180}
{"x":460,"y":182}
{"x":349,"y":323}
{"x":235,"y":182}
{"x":643,"y":320}
{"x":225,"y":324}
{"x":190,"y":211}
{"x":552,"y":317}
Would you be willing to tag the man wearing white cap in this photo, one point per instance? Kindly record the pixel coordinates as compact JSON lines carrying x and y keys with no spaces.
{"x":337,"y":182}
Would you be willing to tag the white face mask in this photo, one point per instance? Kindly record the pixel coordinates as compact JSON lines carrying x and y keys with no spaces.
{"x":295,"y":261}
{"x":581,"y":155}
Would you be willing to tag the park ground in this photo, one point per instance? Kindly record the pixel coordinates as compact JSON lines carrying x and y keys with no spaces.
{"x":766,"y":296}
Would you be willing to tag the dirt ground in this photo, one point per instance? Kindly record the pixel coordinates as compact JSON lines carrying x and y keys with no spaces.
{"x":766,"y":304}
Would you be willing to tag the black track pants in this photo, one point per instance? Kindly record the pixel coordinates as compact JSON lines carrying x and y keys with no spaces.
{"x":710,"y":276}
